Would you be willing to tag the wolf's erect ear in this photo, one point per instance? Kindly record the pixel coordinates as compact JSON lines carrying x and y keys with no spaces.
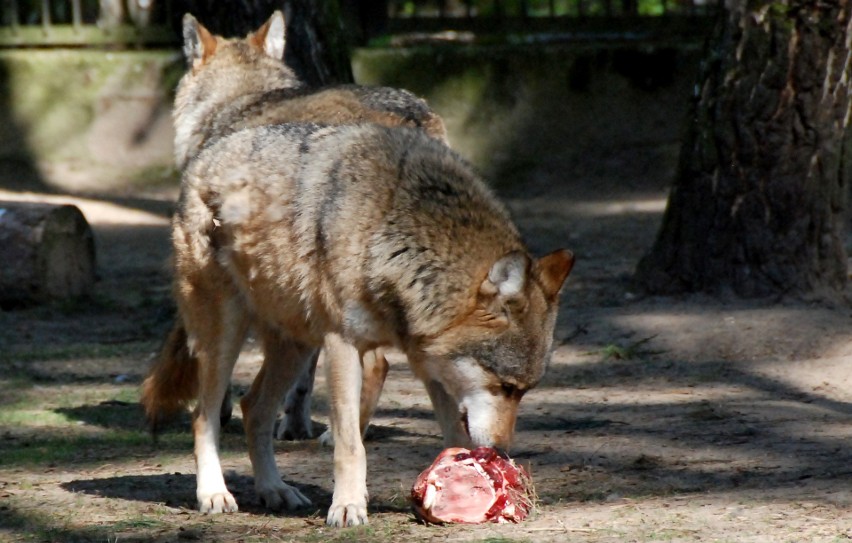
{"x":198,"y":43}
{"x":552,"y":270}
{"x":269,"y":38}
{"x":507,"y":277}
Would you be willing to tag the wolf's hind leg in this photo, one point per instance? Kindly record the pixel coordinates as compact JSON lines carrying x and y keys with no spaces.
{"x":284,"y":359}
{"x":217,"y":331}
{"x":227,"y":409}
{"x":375,"y":372}
{"x":297,"y":423}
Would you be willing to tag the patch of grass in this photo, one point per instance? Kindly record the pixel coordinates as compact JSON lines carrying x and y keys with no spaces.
{"x":13,"y":389}
{"x":31,"y":525}
{"x":128,"y":394}
{"x":671,"y":534}
{"x":356,"y":533}
{"x":40,"y":450}
{"x":83,"y":304}
{"x":77,"y":350}
{"x":32,"y":418}
{"x":34,"y":406}
{"x":158,"y":175}
{"x":84,"y":423}
{"x":399,"y":501}
{"x":631,"y":351}
{"x":34,"y":525}
{"x":136,"y":524}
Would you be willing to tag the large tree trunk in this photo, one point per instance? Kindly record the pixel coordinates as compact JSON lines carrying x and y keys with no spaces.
{"x":758,"y":203}
{"x":316,"y":41}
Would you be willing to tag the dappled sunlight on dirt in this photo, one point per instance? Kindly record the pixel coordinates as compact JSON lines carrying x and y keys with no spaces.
{"x":97,"y":211}
{"x":659,"y":419}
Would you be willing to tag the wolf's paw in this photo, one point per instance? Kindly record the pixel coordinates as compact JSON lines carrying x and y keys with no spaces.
{"x":347,"y":514}
{"x":327,"y":439}
{"x":282,"y":496}
{"x":217,"y":502}
{"x":294,"y":428}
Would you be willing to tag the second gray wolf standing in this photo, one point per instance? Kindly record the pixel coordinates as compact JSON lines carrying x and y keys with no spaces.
{"x":234,"y":84}
{"x":238,"y":83}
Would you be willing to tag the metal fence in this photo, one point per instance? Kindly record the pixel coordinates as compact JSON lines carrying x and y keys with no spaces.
{"x":85,"y":22}
{"x":527,"y":9}
{"x":116,"y":23}
{"x":547,"y":19}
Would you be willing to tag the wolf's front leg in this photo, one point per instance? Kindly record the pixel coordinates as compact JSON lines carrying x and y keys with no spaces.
{"x":283,"y":361}
{"x":343,"y":364}
{"x":211,"y":492}
{"x":448,"y":416}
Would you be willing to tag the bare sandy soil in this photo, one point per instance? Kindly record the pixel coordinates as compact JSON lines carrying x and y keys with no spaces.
{"x":660,"y":419}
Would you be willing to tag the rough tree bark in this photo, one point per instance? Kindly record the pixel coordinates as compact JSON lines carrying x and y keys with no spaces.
{"x":758,"y":202}
{"x":317,"y":44}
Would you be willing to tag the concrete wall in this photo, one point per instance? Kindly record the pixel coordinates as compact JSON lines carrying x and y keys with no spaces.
{"x":86,"y":120}
{"x":92,"y":120}
{"x":518,"y":112}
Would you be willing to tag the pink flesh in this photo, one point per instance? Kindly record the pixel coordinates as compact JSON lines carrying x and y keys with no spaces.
{"x":470,"y":487}
{"x":465,"y":494}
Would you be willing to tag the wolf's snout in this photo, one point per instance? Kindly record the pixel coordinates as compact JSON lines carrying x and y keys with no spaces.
{"x":501,"y":444}
{"x":488,"y":420}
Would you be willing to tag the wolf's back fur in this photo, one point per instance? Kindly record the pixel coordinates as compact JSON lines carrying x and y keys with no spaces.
{"x":314,"y":217}
{"x":344,"y":104}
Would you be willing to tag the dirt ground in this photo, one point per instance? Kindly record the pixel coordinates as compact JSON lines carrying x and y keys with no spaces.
{"x":660,"y":419}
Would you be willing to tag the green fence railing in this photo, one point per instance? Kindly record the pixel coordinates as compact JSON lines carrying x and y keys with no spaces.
{"x":44,"y":23}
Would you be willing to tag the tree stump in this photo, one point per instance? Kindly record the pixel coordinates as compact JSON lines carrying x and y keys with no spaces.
{"x":47,"y":252}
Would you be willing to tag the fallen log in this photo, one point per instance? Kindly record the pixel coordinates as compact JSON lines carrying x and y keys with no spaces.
{"x":47,"y":252}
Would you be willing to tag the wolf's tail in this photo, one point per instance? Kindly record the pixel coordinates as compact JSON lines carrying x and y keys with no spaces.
{"x":172,"y":381}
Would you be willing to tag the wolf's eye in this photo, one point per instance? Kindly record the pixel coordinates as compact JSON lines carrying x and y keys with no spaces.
{"x":509,"y":389}
{"x":512,"y":391}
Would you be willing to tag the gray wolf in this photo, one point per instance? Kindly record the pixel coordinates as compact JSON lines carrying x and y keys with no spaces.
{"x":234,"y":84}
{"x":351,"y":238}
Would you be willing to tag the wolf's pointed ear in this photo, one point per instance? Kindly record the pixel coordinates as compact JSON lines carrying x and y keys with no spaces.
{"x":552,"y":270}
{"x":507,"y":277}
{"x":269,"y":38}
{"x":198,"y":43}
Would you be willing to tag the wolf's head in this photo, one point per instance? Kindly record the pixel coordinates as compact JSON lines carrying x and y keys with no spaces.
{"x":478,"y":370}
{"x":222,"y":70}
